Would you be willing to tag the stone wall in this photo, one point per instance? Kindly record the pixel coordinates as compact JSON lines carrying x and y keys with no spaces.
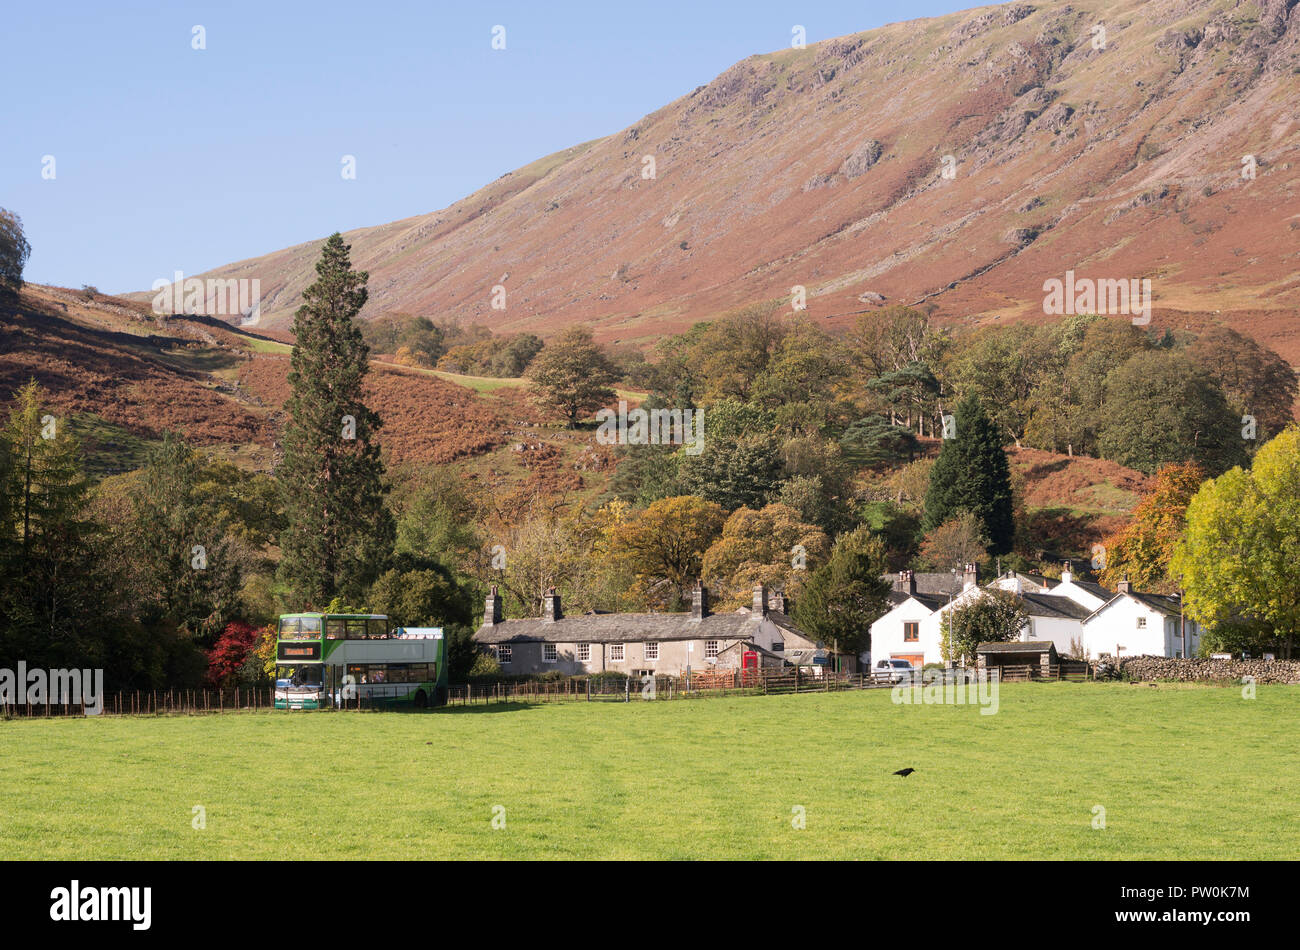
{"x":1195,"y":669}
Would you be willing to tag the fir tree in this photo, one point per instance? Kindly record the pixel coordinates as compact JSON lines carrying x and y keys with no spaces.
{"x":842,"y":597}
{"x":972,"y":474}
{"x":339,"y":530}
{"x":55,"y":601}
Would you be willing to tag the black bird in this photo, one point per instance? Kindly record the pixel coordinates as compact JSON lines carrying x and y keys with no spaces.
{"x":905,"y":772}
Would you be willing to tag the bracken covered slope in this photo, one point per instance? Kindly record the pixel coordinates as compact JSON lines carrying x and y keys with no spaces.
{"x":824,"y":167}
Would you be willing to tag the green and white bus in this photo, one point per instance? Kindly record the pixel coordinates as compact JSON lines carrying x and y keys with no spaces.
{"x":327,"y":660}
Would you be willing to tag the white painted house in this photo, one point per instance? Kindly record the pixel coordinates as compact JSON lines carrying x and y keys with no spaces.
{"x":1073,"y":615}
{"x":1137,"y":624}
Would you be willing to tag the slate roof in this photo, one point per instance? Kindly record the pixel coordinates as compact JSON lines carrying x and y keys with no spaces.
{"x":1165,"y":604}
{"x":1017,"y":646}
{"x":932,"y":602}
{"x":1095,"y":589}
{"x":944,"y":583}
{"x":1054,"y":605}
{"x":630,"y":628}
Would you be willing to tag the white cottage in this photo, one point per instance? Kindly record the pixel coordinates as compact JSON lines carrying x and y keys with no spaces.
{"x":1135,"y":624}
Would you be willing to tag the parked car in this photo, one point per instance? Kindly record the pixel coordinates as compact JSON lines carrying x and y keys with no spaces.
{"x":895,"y":671}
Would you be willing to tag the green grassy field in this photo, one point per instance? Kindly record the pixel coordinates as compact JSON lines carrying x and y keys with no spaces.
{"x":1180,"y":772}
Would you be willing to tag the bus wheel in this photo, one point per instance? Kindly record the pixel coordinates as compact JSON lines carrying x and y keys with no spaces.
{"x":421,"y":700}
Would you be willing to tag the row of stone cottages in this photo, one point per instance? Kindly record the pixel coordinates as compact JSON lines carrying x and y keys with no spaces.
{"x":1064,"y":617}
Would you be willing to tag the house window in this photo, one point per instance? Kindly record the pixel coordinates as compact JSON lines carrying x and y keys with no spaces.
{"x":548,"y":652}
{"x":710,"y":649}
{"x":1142,"y":622}
{"x":911,"y":631}
{"x":778,"y":646}
{"x":584,"y":652}
{"x":505,"y":654}
{"x":616,"y":652}
{"x":652,"y":651}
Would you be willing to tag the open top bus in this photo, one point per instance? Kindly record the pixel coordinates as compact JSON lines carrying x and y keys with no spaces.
{"x":337,"y":660}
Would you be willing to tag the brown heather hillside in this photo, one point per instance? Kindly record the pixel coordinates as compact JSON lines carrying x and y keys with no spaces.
{"x":822,"y":167}
{"x":125,"y":377}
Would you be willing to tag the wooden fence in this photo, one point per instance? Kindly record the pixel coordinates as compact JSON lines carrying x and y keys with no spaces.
{"x":698,"y":685}
{"x":157,"y":702}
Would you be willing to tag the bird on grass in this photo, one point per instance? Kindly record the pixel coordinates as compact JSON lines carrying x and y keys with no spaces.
{"x":905,"y":772}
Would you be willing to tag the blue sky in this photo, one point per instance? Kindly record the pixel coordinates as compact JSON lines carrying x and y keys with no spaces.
{"x":169,"y":158}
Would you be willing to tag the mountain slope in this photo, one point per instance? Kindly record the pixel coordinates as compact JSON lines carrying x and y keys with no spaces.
{"x":823,"y":167}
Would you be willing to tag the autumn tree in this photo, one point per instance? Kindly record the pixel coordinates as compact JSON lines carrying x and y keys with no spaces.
{"x":771,"y":546}
{"x":1238,"y":561}
{"x":664,"y":546}
{"x":802,"y":382}
{"x":339,"y":529}
{"x":1143,"y":548}
{"x":572,"y":375}
{"x":734,"y":353}
{"x":233,"y":647}
{"x":955,"y":543}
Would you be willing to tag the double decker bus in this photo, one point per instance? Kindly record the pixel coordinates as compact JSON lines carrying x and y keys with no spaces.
{"x":325,"y":660}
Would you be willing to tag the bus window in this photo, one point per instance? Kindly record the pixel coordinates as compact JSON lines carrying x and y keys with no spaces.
{"x":335,"y":629}
{"x":298,"y":675}
{"x":356,"y":629}
{"x":299,"y":628}
{"x":378,"y":629}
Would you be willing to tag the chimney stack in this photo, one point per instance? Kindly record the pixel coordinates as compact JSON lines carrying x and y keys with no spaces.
{"x":551,"y":606}
{"x":778,"y":601}
{"x":759,"y":608}
{"x":907,"y":582}
{"x":1066,"y":575}
{"x":492,"y":611}
{"x":1123,"y":586}
{"x":699,"y":600}
{"x":971,"y":578}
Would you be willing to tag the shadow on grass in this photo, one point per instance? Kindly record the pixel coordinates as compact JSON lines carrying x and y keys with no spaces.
{"x":483,"y":708}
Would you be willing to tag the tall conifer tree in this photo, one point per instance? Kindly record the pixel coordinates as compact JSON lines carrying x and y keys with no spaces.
{"x":340,"y":532}
{"x":972,"y":474}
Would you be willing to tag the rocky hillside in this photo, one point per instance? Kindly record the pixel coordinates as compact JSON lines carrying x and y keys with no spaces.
{"x":961,"y":160}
